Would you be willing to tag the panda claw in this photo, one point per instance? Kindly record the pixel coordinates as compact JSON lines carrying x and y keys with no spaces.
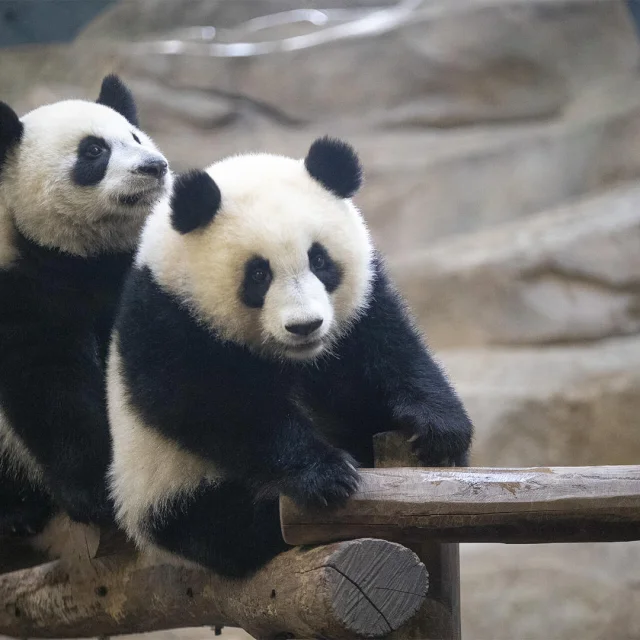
{"x":328,"y":484}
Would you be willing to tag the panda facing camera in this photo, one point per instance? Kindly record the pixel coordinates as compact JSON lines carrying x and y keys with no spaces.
{"x":77,"y":181}
{"x":258,"y":348}
{"x":296,"y":299}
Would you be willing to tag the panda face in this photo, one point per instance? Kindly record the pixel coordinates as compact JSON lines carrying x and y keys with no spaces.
{"x":82,"y":178}
{"x":282,"y":265}
{"x":290,"y":289}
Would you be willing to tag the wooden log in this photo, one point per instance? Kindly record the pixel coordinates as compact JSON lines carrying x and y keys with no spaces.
{"x":537,"y":505}
{"x":439,"y":618}
{"x":356,"y":589}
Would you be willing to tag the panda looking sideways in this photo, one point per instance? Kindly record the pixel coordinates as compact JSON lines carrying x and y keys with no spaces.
{"x":258,"y":347}
{"x":77,"y":180}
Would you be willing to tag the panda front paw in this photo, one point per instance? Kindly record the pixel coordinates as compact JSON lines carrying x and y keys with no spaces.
{"x":329,"y":482}
{"x":88,"y":505}
{"x":24,"y":523}
{"x":438,"y":440}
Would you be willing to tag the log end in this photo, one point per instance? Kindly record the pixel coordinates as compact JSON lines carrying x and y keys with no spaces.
{"x":375,"y":586}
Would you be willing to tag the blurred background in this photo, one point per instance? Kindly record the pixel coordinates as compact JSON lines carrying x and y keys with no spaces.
{"x":501,"y":142}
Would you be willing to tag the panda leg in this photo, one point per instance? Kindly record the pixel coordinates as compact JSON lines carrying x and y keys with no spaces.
{"x":24,"y":510}
{"x":60,"y":384}
{"x":385,"y":353}
{"x":223,"y":527}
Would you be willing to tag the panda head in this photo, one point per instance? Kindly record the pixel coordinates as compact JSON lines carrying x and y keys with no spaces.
{"x":268,"y":251}
{"x":80,"y":176}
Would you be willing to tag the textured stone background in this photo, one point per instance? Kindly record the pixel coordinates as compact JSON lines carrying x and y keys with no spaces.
{"x":501,"y":142}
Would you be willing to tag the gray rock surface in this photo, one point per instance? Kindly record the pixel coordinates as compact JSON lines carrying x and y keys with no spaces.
{"x":424,"y":185}
{"x":556,"y":406}
{"x":569,"y":275}
{"x":420,"y":67}
{"x":550,"y":592}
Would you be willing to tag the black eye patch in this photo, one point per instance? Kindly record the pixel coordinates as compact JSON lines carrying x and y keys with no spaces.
{"x":92,"y":161}
{"x":256,"y":282}
{"x":324,"y":268}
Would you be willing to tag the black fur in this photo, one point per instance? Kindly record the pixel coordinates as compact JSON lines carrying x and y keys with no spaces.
{"x":215,"y":524}
{"x":324,"y":268}
{"x":91,"y":164}
{"x":335,"y":165}
{"x":54,"y":336}
{"x":243,"y":413}
{"x":195,"y":201}
{"x":256,"y":282}
{"x":24,"y":509}
{"x":11,"y":130}
{"x":115,"y":94}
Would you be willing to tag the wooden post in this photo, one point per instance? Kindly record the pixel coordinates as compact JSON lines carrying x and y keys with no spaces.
{"x":439,"y":617}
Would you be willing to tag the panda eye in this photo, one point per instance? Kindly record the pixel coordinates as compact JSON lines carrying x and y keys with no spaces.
{"x":93,"y":151}
{"x":318,"y":261}
{"x":259,"y":275}
{"x":135,"y":137}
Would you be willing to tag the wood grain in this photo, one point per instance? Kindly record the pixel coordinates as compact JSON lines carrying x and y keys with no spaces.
{"x":537,"y":505}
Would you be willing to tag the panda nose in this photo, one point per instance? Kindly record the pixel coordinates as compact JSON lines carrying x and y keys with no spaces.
{"x":155,"y":168}
{"x":304,"y":329}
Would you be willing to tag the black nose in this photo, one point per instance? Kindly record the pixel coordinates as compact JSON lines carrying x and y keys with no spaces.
{"x":155,"y":168}
{"x":305,"y":328}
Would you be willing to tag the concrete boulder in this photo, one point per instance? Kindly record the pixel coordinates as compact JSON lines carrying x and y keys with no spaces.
{"x":408,"y":67}
{"x":422,"y":186}
{"x":551,"y":592}
{"x":569,"y":405}
{"x":569,"y":275}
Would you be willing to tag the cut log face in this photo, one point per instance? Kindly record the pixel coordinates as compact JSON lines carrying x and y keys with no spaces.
{"x":558,"y":504}
{"x":357,"y":589}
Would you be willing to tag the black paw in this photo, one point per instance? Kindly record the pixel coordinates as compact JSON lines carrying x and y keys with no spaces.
{"x":86,"y":505}
{"x":25,"y":521}
{"x":441,"y":440}
{"x":329,"y":482}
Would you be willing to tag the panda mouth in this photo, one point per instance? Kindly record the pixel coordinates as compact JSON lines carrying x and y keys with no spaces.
{"x":305,"y":347}
{"x":130,"y":200}
{"x":145,"y":197}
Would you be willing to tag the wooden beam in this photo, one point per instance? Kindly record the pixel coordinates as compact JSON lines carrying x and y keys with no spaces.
{"x":537,"y":505}
{"x":355,"y":589}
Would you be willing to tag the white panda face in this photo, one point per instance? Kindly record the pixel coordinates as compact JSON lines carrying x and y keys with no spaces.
{"x":284,"y":266}
{"x":82,"y":178}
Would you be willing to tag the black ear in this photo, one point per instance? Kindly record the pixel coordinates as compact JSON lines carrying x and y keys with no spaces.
{"x":195,"y":201}
{"x":335,"y":165}
{"x":115,"y":94}
{"x":11,"y":130}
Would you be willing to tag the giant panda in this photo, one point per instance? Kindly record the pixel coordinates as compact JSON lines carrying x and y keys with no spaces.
{"x":77,"y":180}
{"x":258,"y":347}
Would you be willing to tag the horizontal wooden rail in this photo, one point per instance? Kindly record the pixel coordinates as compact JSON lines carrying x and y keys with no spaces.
{"x":355,"y":589}
{"x":537,"y":505}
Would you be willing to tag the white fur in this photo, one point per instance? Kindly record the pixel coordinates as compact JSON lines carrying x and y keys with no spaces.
{"x":49,"y":208}
{"x":148,"y":470}
{"x":273,"y":208}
